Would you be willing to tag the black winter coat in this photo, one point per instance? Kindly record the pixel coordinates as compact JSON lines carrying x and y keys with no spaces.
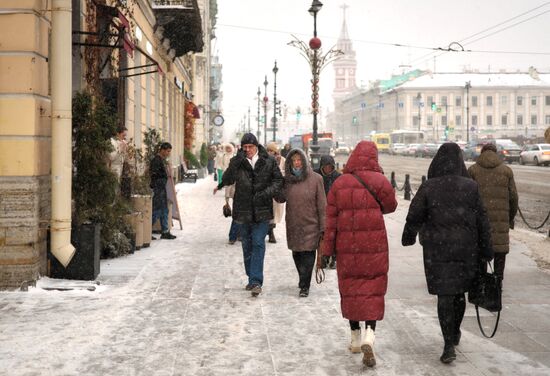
{"x":454,"y":228}
{"x":329,"y":179}
{"x":159,"y":177}
{"x":254,"y":188}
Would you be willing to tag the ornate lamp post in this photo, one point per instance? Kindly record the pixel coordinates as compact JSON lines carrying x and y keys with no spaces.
{"x":419,"y":103}
{"x":258,"y":132}
{"x":265,"y":109}
{"x":317,"y":61}
{"x":275,"y":70}
{"x":468,"y":86}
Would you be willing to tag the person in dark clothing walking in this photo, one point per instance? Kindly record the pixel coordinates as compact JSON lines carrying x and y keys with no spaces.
{"x":305,"y":214}
{"x":500,"y":197}
{"x":327,"y":169}
{"x":257,"y":180}
{"x":454,"y":230}
{"x":159,"y":177}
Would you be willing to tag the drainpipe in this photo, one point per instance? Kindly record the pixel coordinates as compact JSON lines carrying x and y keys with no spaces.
{"x":61,"y":94}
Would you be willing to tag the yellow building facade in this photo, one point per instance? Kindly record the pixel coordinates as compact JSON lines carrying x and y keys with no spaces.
{"x":153,"y":79}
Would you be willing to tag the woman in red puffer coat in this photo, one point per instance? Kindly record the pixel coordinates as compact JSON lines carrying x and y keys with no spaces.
{"x":356,"y":233}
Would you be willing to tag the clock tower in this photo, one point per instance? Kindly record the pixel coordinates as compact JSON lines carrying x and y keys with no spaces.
{"x":345,"y":67}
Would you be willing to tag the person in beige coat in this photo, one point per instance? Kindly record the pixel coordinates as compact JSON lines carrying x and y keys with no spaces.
{"x":304,"y":193}
{"x":278,"y":208}
{"x":500,"y":197}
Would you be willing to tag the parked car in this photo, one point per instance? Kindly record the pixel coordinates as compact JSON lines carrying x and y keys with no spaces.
{"x":508,"y":150}
{"x":537,"y":154}
{"x":411,"y":149}
{"x":426,"y":150}
{"x":342,"y":148}
{"x":398,"y":149}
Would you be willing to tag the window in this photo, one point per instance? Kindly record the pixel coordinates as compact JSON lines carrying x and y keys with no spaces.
{"x":340,"y":83}
{"x":444,"y":120}
{"x":489,"y":120}
{"x":489,"y":100}
{"x":533,"y":101}
{"x":504,"y":120}
{"x":520,"y":120}
{"x":458,"y":120}
{"x":415,"y":121}
{"x":430,"y":101}
{"x":503,"y":100}
{"x":430,"y":120}
{"x":443,"y":100}
{"x":458,"y":101}
{"x":474,"y":119}
{"x":474,"y":101}
{"x":533,"y":119}
{"x":547,"y":100}
{"x":547,"y":119}
{"x":519,"y":100}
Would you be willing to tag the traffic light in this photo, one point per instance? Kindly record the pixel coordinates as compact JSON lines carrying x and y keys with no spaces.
{"x":434,"y":106}
{"x":446,"y":133}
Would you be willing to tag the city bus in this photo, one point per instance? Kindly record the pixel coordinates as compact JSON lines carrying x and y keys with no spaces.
{"x":382,"y":141}
{"x":406,"y":137}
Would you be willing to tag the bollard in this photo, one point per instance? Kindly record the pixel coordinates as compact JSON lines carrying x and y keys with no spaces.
{"x":393,"y":183}
{"x":423,"y":179}
{"x":407,"y":188}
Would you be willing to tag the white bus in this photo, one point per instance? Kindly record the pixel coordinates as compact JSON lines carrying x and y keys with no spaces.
{"x":407,"y":137}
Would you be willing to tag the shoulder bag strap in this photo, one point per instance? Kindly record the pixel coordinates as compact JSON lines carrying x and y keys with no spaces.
{"x":370,"y":191}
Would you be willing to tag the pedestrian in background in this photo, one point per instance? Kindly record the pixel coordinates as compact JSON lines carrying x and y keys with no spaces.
{"x":356,"y":234}
{"x":285,"y":150}
{"x":327,"y":169}
{"x":219,"y":162}
{"x":229,"y":152}
{"x":278,"y":208}
{"x":257,"y":180}
{"x":211,"y":159}
{"x":448,"y":213}
{"x":305,"y":200}
{"x":500,"y":197}
{"x":159,"y":178}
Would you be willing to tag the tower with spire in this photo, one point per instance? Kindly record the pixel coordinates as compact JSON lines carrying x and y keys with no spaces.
{"x":345,"y":67}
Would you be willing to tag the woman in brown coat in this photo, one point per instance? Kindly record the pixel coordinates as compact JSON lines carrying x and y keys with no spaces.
{"x":500,"y":197}
{"x":304,"y":194}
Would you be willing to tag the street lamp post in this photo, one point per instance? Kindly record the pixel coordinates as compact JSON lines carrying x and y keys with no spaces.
{"x":265,"y":110}
{"x":249,"y":129}
{"x":275,"y":70}
{"x":468,"y":86}
{"x":258,"y":132}
{"x":315,"y":44}
{"x":317,"y":61}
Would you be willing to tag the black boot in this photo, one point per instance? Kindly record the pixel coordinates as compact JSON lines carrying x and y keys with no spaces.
{"x":449,"y":354}
{"x":271,"y":236}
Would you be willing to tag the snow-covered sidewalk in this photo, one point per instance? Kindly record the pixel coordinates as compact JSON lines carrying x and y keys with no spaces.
{"x":180,"y":308}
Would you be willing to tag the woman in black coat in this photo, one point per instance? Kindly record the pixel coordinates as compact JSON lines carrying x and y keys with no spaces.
{"x":454,"y":230}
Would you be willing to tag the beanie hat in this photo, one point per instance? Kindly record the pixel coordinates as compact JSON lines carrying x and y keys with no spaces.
{"x":490,"y":147}
{"x":249,"y":139}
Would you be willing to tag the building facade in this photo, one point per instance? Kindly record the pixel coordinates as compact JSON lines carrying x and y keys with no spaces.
{"x":448,"y":106}
{"x":139,"y":55}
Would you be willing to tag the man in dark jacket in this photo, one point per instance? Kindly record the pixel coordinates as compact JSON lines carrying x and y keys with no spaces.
{"x":500,"y":197}
{"x":327,"y":169}
{"x":455,"y":235}
{"x":159,"y":177}
{"x":257,"y":180}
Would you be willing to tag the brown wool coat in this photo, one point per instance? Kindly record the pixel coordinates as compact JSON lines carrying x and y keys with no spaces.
{"x":499,"y":195}
{"x":305,"y":206}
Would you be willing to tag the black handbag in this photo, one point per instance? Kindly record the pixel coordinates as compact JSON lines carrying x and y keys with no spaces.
{"x":486,"y":293}
{"x":226,"y":210}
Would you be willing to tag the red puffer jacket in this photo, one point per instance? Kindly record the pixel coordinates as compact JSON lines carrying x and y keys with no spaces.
{"x":356,"y":232}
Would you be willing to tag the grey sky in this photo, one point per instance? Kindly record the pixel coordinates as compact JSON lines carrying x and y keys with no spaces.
{"x":247,"y":52}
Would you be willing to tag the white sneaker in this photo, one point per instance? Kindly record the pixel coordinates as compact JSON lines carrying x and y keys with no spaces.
{"x":355,"y":345}
{"x":367,"y":346}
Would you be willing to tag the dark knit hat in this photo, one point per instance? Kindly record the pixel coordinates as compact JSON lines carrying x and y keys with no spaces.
{"x":490,"y":147}
{"x":249,"y":139}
